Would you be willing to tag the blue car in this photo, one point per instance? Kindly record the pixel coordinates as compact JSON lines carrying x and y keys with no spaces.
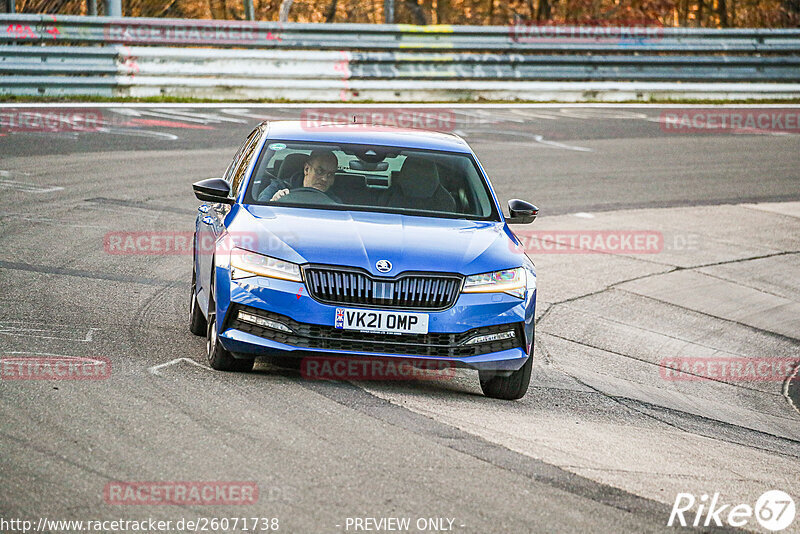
{"x":359,"y":242}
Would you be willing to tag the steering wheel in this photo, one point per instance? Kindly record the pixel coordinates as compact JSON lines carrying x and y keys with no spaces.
{"x":307,"y":195}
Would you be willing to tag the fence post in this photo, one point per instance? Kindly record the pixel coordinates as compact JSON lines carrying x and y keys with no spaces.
{"x":92,"y":8}
{"x":388,"y":11}
{"x":249,"y":10}
{"x":114,"y":8}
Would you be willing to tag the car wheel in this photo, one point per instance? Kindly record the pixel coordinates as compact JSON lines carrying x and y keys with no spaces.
{"x":197,"y":321}
{"x":510,"y":387}
{"x":218,"y":357}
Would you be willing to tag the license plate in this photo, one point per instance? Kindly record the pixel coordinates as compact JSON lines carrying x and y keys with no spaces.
{"x":387,"y":322}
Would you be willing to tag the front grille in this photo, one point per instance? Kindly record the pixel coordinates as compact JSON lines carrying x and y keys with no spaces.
{"x":338,"y":285}
{"x":312,"y":336}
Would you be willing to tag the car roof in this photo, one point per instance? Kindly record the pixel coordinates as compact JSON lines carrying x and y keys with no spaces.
{"x":368,"y":134}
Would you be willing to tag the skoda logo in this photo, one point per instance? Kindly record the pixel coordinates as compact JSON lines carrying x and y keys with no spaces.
{"x":383,"y":266}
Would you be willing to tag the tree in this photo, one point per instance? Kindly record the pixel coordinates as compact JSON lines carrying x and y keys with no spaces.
{"x":330,"y":13}
{"x":416,"y":12}
{"x":443,"y":12}
{"x":217,"y":8}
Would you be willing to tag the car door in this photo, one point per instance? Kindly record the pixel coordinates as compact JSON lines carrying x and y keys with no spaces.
{"x":211,"y":218}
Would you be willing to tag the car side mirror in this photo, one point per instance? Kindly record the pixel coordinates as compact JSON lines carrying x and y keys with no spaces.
{"x":521,"y":212}
{"x":213,"y":190}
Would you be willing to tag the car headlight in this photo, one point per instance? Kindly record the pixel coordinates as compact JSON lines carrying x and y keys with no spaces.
{"x":245,"y":263}
{"x":510,"y":281}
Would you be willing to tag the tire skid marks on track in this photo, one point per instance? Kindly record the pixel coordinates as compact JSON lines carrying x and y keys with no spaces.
{"x":452,"y":437}
{"x":48,"y":220}
{"x":63,"y":271}
{"x":139,"y":205}
{"x":47,"y":331}
{"x":147,"y":312}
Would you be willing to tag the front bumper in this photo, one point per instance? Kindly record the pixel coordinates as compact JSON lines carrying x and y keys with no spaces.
{"x":312,"y":332}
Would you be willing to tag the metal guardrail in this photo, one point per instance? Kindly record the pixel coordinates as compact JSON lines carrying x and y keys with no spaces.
{"x":574,"y":67}
{"x":299,"y":64}
{"x":58,"y":29}
{"x":306,"y":61}
{"x":78,"y":61}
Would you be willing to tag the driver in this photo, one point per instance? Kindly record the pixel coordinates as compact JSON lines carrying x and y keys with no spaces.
{"x":319,"y":173}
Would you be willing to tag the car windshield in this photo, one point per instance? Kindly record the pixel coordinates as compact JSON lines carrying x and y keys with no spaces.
{"x":370,"y":178}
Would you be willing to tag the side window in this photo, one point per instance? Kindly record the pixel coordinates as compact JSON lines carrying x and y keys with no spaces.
{"x":234,"y":163}
{"x":244,"y":162}
{"x":238,"y":157}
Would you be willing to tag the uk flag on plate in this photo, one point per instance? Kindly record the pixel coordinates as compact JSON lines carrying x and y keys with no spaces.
{"x":339,"y":323}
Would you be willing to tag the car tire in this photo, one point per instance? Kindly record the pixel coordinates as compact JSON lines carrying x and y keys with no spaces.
{"x":197,"y":321}
{"x":510,"y":387}
{"x":218,"y":356}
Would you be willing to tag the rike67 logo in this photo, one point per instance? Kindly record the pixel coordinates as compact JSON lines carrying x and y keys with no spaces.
{"x":774,"y":510}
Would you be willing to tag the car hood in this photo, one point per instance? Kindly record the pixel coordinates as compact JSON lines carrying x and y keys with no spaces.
{"x":361,"y":239}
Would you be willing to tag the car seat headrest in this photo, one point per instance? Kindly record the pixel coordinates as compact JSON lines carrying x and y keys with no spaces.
{"x":418,"y":178}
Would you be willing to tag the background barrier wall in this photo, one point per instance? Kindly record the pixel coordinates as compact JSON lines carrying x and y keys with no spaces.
{"x":68,"y":55}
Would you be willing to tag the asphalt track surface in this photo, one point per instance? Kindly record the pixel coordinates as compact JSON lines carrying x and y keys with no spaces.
{"x":602,"y":442}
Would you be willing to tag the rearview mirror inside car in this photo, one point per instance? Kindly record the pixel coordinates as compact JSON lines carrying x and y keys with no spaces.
{"x":358,"y":165}
{"x":213,"y":190}
{"x":521,"y":212}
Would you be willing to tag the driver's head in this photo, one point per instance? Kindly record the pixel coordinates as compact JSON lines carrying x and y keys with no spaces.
{"x":320,"y":170}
